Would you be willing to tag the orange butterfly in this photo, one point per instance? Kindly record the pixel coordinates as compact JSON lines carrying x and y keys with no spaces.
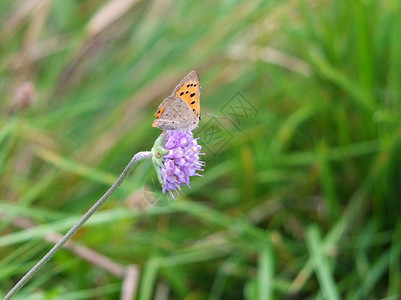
{"x":181,"y":110}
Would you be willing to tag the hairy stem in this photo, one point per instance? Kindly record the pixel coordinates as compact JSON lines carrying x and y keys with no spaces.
{"x":137,"y":157}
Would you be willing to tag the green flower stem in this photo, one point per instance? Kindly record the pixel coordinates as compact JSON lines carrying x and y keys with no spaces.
{"x":137,"y":157}
{"x":158,"y":153}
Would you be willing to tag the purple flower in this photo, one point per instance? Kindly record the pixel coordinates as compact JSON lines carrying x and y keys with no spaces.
{"x":176,"y":159}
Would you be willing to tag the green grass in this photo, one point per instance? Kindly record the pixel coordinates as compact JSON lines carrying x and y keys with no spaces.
{"x":302,"y":203}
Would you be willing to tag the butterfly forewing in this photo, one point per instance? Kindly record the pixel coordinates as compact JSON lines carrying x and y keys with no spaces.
{"x":189,"y":91}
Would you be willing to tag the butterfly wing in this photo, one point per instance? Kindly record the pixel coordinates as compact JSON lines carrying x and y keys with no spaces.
{"x":175,"y":114}
{"x":189,"y":91}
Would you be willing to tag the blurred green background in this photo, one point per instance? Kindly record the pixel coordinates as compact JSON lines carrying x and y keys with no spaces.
{"x":302,"y":202}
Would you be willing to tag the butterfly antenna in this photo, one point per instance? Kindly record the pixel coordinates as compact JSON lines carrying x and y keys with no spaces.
{"x":220,"y":117}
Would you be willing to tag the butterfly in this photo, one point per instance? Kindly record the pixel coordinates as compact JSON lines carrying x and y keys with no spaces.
{"x":181,"y":110}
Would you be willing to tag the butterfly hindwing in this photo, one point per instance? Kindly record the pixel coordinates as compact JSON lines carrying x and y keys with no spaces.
{"x":175,"y":114}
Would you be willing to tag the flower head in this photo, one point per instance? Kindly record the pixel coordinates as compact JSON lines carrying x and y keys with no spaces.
{"x":176,"y":159}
